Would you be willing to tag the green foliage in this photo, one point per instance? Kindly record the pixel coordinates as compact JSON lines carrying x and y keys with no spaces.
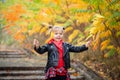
{"x":111,"y":52}
{"x":95,"y":2}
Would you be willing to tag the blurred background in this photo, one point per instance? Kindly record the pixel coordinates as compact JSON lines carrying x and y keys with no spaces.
{"x":23,"y":20}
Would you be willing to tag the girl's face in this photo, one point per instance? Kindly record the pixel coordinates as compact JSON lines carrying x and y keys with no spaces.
{"x":58,"y":35}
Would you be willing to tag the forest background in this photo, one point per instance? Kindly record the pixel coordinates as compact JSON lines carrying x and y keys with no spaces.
{"x":23,"y":20}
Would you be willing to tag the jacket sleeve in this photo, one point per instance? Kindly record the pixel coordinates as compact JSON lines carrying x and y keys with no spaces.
{"x":77,"y":48}
{"x":42,"y":49}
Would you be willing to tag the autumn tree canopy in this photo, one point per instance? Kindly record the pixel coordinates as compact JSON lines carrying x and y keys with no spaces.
{"x":24,"y":20}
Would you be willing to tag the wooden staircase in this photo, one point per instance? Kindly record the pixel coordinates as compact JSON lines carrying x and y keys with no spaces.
{"x":14,"y":67}
{"x":27,"y":73}
{"x":12,"y":54}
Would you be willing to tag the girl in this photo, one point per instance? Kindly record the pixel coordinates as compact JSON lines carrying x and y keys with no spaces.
{"x":58,"y":55}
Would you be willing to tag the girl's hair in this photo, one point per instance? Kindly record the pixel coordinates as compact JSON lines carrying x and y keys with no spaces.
{"x":55,"y":28}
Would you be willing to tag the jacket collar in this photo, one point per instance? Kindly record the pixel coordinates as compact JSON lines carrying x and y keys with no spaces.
{"x":64,"y":46}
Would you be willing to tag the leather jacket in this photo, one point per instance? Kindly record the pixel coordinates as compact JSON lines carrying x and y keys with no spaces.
{"x":53,"y":54}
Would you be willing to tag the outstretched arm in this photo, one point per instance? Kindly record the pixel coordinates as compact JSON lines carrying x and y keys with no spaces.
{"x":37,"y":47}
{"x":79,"y":48}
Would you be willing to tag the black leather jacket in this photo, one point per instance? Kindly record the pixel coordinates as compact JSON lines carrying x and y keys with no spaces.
{"x":53,"y":53}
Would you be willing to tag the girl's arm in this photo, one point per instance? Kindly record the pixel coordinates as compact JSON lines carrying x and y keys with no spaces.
{"x":77,"y":48}
{"x":41,"y":50}
{"x":37,"y":47}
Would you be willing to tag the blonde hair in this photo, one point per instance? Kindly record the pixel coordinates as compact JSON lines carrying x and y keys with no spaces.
{"x":55,"y":28}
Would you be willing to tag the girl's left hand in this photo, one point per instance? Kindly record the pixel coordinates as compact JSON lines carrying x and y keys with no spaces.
{"x":88,"y":43}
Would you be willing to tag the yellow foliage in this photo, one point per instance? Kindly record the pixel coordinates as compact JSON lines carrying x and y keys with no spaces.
{"x":102,"y":34}
{"x":78,"y":4}
{"x":106,"y":55}
{"x":118,"y":50}
{"x":83,"y":17}
{"x":96,"y":42}
{"x":117,"y":28}
{"x":24,"y":24}
{"x":98,"y":17}
{"x":30,"y":14}
{"x":68,"y":29}
{"x":94,"y":30}
{"x":98,"y":20}
{"x":44,"y":15}
{"x":18,"y":8}
{"x":104,"y":44}
{"x":36,"y":28}
{"x":101,"y":27}
{"x":57,"y":1}
{"x":19,"y":36}
{"x":110,"y":47}
{"x":107,"y":33}
{"x":73,"y":35}
{"x":43,"y":30}
{"x":48,"y":11}
{"x":51,"y":36}
{"x":24,"y":29}
{"x":30,"y":32}
{"x":46,"y":1}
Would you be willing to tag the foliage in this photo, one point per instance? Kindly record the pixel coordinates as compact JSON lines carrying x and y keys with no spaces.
{"x":24,"y":20}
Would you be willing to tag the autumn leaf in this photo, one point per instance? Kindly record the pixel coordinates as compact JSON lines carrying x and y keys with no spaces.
{"x":51,"y":36}
{"x":43,"y":30}
{"x":73,"y":35}
{"x":104,"y":44}
{"x":68,"y":29}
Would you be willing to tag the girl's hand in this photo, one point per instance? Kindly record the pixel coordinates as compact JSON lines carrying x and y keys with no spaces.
{"x":88,"y":43}
{"x":36,"y":43}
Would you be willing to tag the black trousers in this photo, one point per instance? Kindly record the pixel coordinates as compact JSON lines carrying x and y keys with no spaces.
{"x":58,"y":78}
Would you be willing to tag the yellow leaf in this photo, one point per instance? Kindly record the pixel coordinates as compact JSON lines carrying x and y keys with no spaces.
{"x":57,"y":1}
{"x":19,"y":36}
{"x":98,"y":17}
{"x":24,"y":29}
{"x":68,"y":29}
{"x":102,"y":34}
{"x":51,"y":36}
{"x":98,"y":20}
{"x":107,"y":33}
{"x":118,"y":50}
{"x":96,"y":42}
{"x":110,"y":47}
{"x":30,"y":32}
{"x":36,"y":28}
{"x":44,"y":29}
{"x":46,"y":1}
{"x":93,"y":30}
{"x":104,"y":44}
{"x":106,"y":55}
{"x":73,"y":35}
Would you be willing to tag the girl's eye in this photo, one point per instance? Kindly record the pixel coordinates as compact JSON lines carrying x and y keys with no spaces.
{"x":56,"y":33}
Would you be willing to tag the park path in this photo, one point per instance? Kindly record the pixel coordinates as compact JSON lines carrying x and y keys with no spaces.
{"x":19,"y":65}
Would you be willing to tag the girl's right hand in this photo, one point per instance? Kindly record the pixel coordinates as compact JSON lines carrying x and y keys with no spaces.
{"x":36,"y":43}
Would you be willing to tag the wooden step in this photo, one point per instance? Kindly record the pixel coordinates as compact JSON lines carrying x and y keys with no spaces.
{"x":12,"y":54}
{"x":27,"y":73}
